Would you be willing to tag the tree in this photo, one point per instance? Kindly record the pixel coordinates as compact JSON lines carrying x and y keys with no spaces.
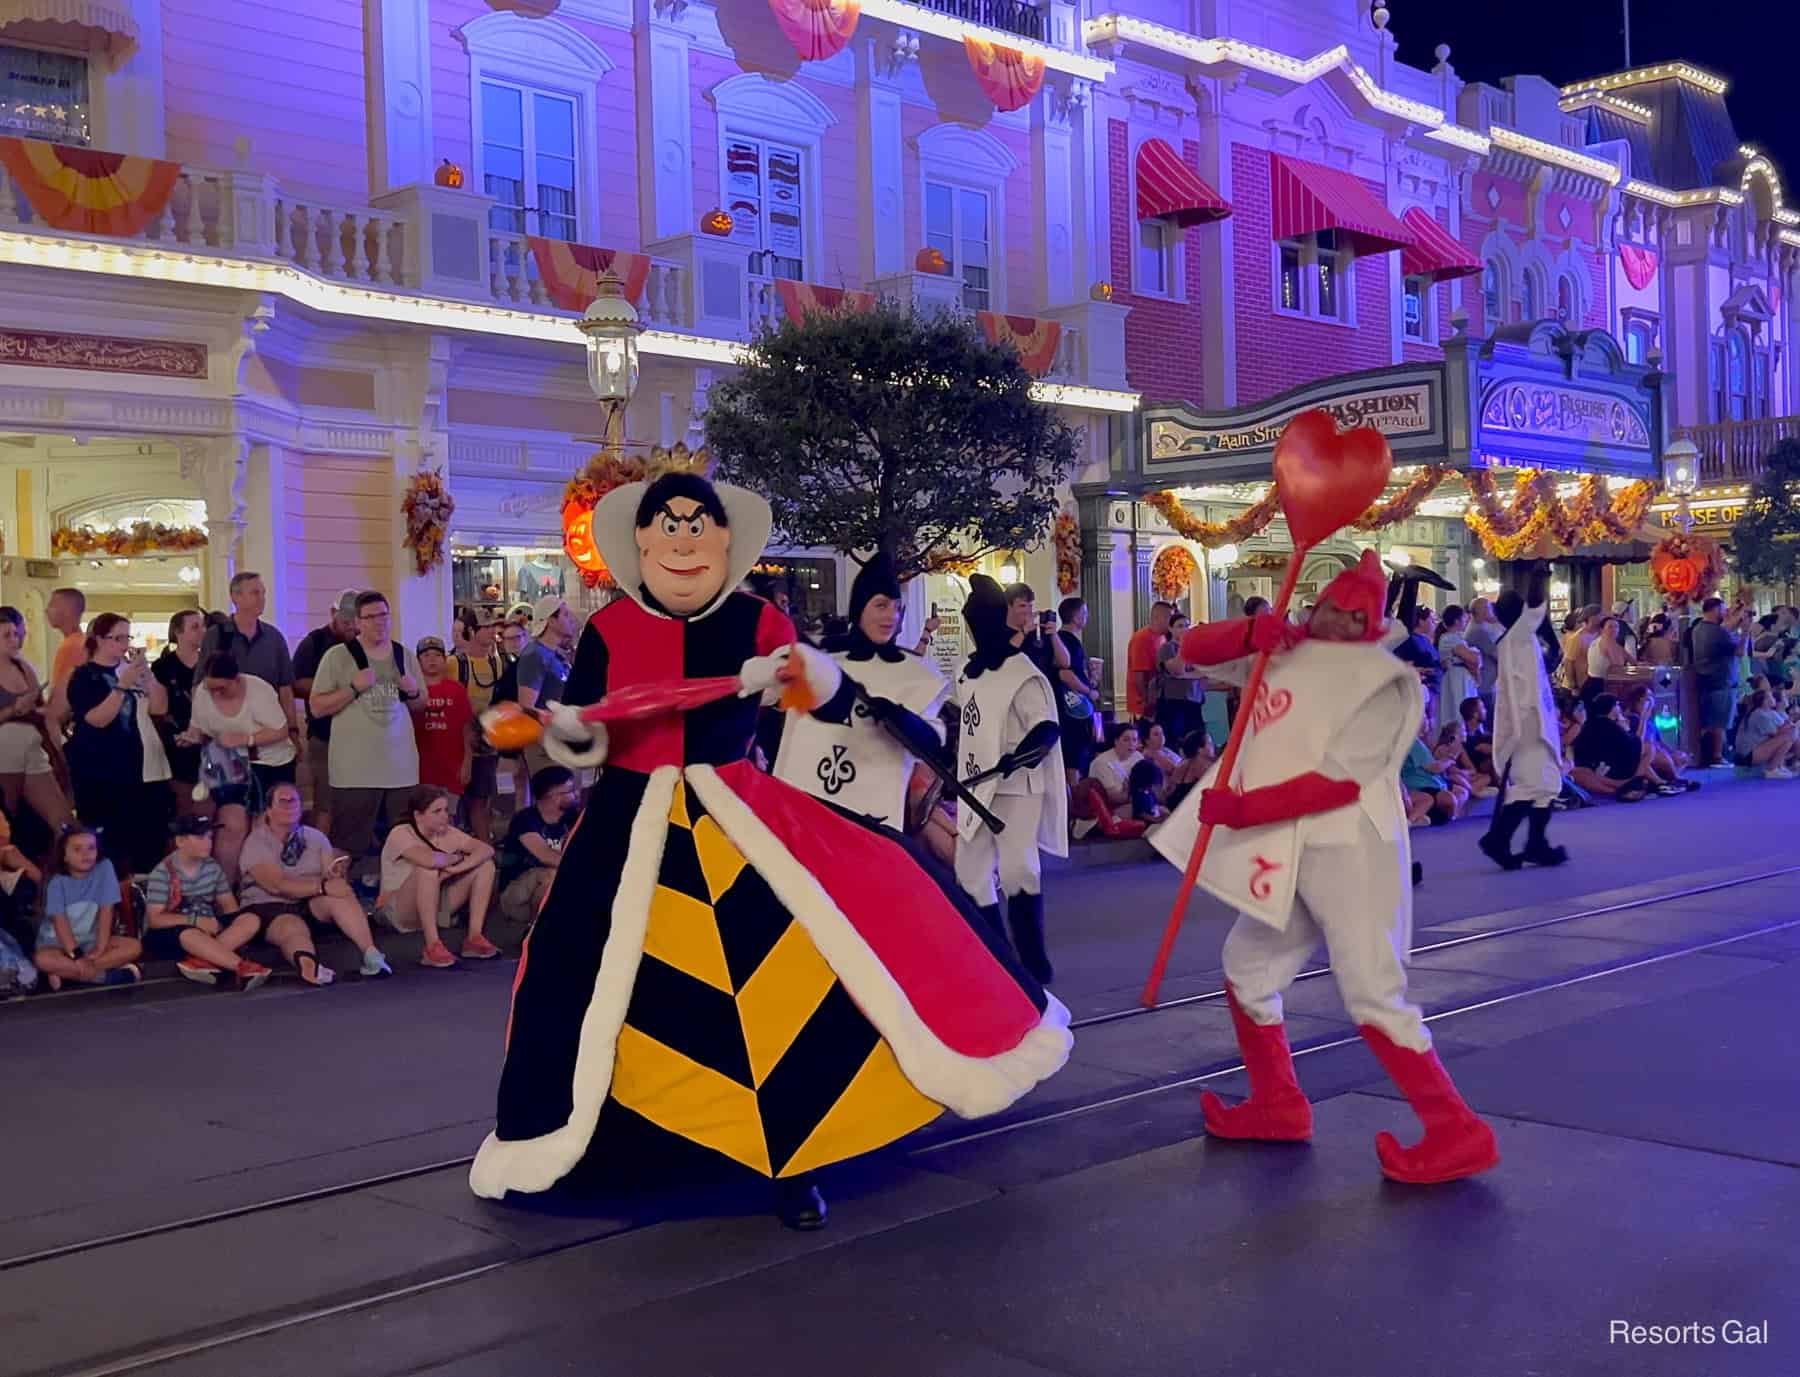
{"x":1765,"y":543}
{"x":886,"y":430}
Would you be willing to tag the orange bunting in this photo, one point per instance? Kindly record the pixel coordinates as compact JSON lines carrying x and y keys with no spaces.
{"x":1007,"y":76}
{"x":817,"y":28}
{"x":801,"y":299}
{"x":571,"y":272}
{"x":88,"y":191}
{"x":1033,"y":339}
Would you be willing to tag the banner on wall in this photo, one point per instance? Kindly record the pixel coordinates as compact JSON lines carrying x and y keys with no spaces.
{"x":571,"y":272}
{"x":1006,"y":76}
{"x":818,"y":29}
{"x":88,"y":191}
{"x":1034,"y":340}
{"x":801,"y":299}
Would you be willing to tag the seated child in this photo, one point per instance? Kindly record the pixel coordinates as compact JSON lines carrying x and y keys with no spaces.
{"x":187,"y":893}
{"x":76,"y":940}
{"x":1146,"y":786}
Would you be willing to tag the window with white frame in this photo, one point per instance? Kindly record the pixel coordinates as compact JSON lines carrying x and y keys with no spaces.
{"x":528,"y":161}
{"x":1640,"y":338}
{"x":765,"y":195}
{"x":44,"y":95}
{"x":958,"y":224}
{"x":1531,"y":297}
{"x":1314,"y":277}
{"x":1156,"y":263}
{"x":1415,"y":309}
{"x":1568,"y":302}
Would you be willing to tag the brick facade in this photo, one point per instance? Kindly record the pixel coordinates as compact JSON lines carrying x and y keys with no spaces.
{"x":1163,"y":338}
{"x":1277,"y":352}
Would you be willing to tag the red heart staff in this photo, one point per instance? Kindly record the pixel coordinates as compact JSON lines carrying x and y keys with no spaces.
{"x":1324,"y":479}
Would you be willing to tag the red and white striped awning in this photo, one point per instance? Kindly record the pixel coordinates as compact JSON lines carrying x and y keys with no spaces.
{"x":1168,"y":189}
{"x":1305,"y":198}
{"x":1435,"y":254}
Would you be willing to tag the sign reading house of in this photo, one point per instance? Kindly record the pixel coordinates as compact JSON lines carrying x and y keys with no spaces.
{"x":1405,"y":404}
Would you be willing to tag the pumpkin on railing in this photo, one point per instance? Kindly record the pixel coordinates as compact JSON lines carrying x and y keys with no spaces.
{"x":716,"y":221}
{"x":449,"y":174}
{"x":931,"y":261}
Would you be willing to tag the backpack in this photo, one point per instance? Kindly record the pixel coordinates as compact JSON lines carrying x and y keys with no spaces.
{"x":506,"y":687}
{"x":361,"y":656}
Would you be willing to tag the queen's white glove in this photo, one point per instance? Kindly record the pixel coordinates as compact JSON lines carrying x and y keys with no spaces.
{"x":757,"y":678}
{"x":570,"y":741}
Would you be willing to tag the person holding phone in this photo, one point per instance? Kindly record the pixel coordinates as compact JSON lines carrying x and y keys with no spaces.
{"x":108,"y":697}
{"x":294,"y":883}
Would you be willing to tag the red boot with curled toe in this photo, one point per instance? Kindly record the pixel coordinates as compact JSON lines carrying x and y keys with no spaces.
{"x":1457,"y":1143}
{"x":1277,"y":1110}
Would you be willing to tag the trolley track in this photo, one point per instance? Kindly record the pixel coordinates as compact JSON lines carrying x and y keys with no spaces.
{"x":373,"y":1182}
{"x":177,"y":1347}
{"x":192,"y":1344}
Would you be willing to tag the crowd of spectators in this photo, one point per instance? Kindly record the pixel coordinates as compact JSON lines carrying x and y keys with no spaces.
{"x":191,"y":777}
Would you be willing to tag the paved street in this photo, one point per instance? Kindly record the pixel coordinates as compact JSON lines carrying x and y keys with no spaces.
{"x":1626,"y":1022}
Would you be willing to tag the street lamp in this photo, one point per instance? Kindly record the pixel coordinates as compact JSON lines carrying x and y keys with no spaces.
{"x":1223,"y":557}
{"x":611,"y":326}
{"x":1681,"y":476}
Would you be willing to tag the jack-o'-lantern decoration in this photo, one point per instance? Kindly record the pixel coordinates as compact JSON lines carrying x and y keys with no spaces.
{"x":716,"y":221}
{"x":578,"y":541}
{"x":931,"y":261}
{"x":449,"y":174}
{"x":1101,"y":291}
{"x":1686,"y":568}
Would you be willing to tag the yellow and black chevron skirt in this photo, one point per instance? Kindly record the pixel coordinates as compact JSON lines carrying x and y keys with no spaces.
{"x":738,"y":1037}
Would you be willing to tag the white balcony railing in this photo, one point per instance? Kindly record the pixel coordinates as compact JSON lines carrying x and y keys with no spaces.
{"x":515,"y":280}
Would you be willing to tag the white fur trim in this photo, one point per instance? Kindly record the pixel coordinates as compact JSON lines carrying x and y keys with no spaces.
{"x":536,"y":1164}
{"x":969,"y":1086}
{"x":570,"y":741}
{"x":823,"y":676}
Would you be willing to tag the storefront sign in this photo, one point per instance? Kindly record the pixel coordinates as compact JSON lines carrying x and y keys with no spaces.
{"x":1406,"y":410}
{"x":1561,"y":412}
{"x":532,"y":503}
{"x":102,"y":354}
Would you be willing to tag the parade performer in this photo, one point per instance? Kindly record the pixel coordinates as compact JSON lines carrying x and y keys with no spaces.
{"x":1527,"y":742}
{"x":1011,"y":762}
{"x":863,"y":765}
{"x":724,"y":970}
{"x":1318,"y":848}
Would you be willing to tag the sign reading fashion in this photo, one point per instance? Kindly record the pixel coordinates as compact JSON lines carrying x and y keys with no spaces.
{"x":103,"y":354}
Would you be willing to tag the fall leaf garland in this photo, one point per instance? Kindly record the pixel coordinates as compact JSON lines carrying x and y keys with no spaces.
{"x":1402,"y":506}
{"x":139,"y":538}
{"x":1536,"y":512}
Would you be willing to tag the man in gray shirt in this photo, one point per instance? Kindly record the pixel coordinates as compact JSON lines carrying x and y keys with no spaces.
{"x":365,"y":688}
{"x":259,"y":648}
{"x":1716,"y":646}
{"x":1483,"y":636}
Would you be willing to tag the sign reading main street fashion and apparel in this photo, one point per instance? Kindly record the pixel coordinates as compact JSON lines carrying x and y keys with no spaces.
{"x":1405,"y":404}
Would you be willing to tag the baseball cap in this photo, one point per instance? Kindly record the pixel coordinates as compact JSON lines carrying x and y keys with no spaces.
{"x":519,"y":612}
{"x":542,"y":611}
{"x":193,"y":826}
{"x":430,"y":643}
{"x":346,"y":603}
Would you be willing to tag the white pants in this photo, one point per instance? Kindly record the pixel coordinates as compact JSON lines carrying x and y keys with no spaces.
{"x":1358,"y":899}
{"x":1014,"y":852}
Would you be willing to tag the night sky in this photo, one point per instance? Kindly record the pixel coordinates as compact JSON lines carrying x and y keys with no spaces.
{"x":1570,"y":39}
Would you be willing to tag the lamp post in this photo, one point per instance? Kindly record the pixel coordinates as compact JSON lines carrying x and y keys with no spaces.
{"x":1681,"y":476}
{"x":610,"y":324}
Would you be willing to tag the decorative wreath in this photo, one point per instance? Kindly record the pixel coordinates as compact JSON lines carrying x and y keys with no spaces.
{"x":1066,"y":537}
{"x":1173,"y":573}
{"x":428,"y":507}
{"x":1687,"y":568}
{"x":140,"y":538}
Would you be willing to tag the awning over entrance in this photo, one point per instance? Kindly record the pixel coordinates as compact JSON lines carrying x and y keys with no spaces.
{"x":1305,"y":198}
{"x":1435,"y":254}
{"x":1168,"y":189}
{"x":102,"y":27}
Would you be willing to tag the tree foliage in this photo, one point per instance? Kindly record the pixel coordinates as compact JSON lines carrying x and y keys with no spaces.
{"x":1765,"y":543}
{"x":882,"y":429}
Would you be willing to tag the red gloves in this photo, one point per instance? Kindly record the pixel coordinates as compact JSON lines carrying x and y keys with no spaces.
{"x":1274,"y":634}
{"x":1292,"y":798}
{"x":1213,"y":643}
